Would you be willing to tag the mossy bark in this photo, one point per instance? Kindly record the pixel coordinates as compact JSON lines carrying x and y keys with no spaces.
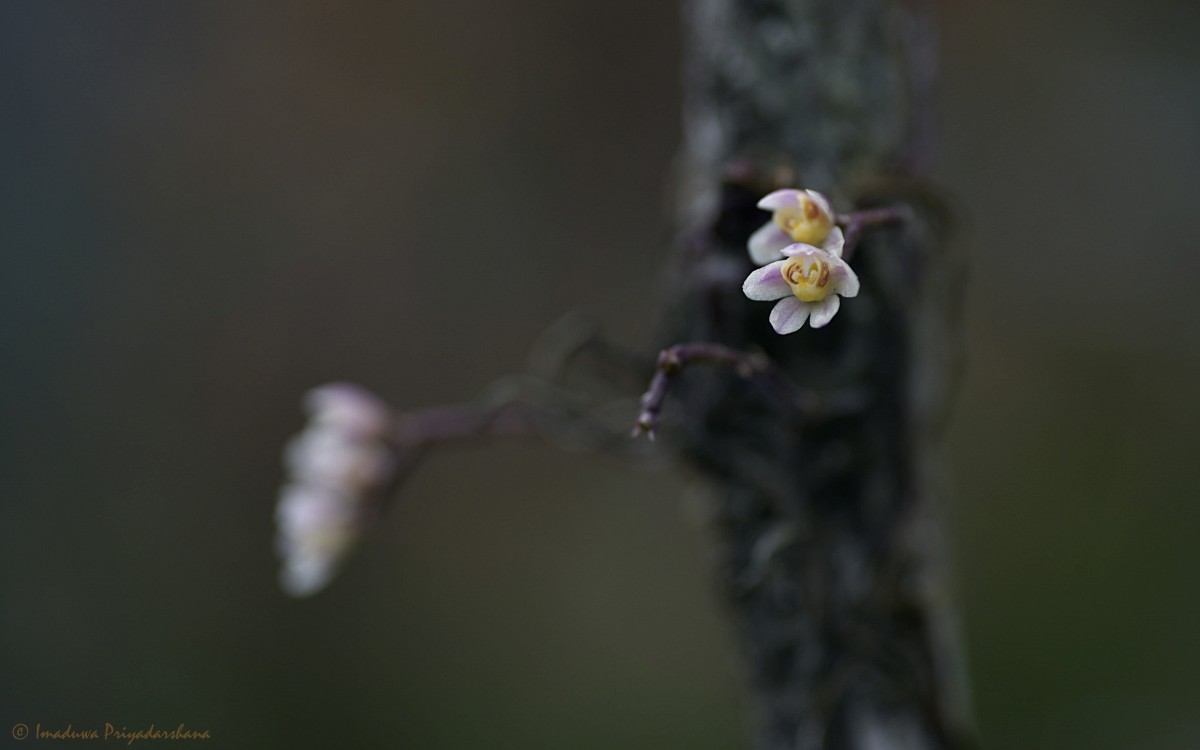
{"x":831,"y":557}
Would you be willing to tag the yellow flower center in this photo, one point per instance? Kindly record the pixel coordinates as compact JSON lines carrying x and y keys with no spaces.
{"x":808,"y":277}
{"x":804,"y":222}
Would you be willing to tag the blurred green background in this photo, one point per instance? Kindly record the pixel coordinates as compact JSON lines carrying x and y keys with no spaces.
{"x":207,"y":208}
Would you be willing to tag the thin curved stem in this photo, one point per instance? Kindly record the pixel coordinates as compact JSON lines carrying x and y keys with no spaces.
{"x":517,"y":406}
{"x":853,"y":224}
{"x":672,"y":361}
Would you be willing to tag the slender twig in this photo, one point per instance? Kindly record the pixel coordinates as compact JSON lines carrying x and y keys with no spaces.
{"x":808,"y":404}
{"x":672,"y":361}
{"x":576,"y":338}
{"x":512,"y":406}
{"x":855,"y":222}
{"x":437,"y":425}
{"x":517,"y":406}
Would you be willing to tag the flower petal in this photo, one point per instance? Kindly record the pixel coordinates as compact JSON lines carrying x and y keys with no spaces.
{"x":766,"y":243}
{"x":821,"y":201}
{"x":834,"y":242}
{"x":305,"y":577}
{"x":303,"y":508}
{"x":823,"y":311}
{"x":789,"y":315}
{"x":780,"y":198}
{"x":766,"y":283}
{"x":845,"y":281}
{"x":798,"y":248}
{"x":349,"y":407}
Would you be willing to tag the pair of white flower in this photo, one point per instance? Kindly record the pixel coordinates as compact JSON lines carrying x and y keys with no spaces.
{"x":338,"y":468}
{"x":800,"y":251}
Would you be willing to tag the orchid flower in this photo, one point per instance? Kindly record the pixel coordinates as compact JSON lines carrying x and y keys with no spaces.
{"x":798,"y":216}
{"x":809,"y":283}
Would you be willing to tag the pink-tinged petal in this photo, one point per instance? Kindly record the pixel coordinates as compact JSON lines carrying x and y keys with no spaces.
{"x":767,"y":283}
{"x":845,"y":281}
{"x":799,"y":248}
{"x":766,"y":243}
{"x":779,"y":199}
{"x":349,"y":407}
{"x":821,"y":201}
{"x":823,"y":311}
{"x":834,"y":242}
{"x":789,"y":315}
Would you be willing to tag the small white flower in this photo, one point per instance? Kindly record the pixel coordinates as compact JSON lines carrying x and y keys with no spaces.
{"x":338,"y":467}
{"x":808,"y":282}
{"x":348,"y":407}
{"x":338,"y":459}
{"x":798,"y":216}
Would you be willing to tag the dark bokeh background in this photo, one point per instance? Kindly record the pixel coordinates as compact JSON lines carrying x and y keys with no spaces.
{"x":205,"y":209}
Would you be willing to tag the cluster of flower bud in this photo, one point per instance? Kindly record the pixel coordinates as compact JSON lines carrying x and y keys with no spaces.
{"x":338,"y":468}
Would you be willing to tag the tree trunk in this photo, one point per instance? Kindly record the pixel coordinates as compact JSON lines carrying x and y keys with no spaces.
{"x":824,"y":510}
